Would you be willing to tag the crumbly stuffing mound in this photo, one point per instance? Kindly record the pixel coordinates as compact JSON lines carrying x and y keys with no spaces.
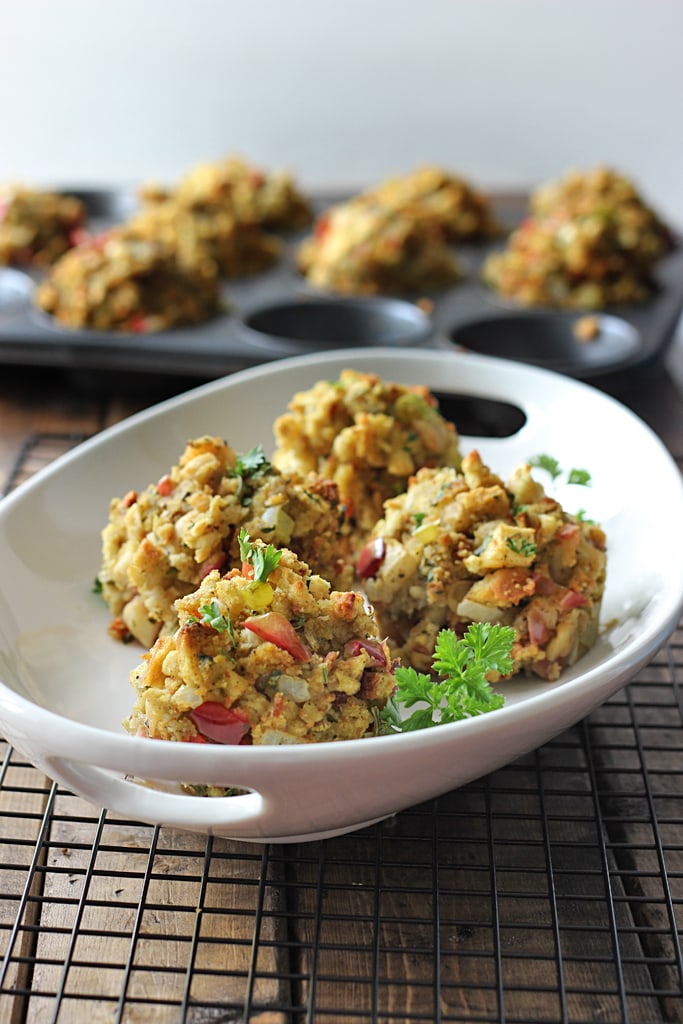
{"x":37,"y":227}
{"x":458,"y":548}
{"x":286,"y":660}
{"x":464,"y":213}
{"x":366,"y":247}
{"x":252,"y":195}
{"x":115,"y":283}
{"x":590,"y":242}
{"x":640,"y":231}
{"x":209,"y":237}
{"x":160,"y":542}
{"x":367,"y":435}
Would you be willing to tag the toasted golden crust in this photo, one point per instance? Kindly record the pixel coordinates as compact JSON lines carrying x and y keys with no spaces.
{"x":365,"y":247}
{"x":118,"y":283}
{"x":37,"y":227}
{"x":462,"y":211}
{"x":288,"y":660}
{"x":461,"y":548}
{"x":210,"y":236}
{"x":367,"y":435}
{"x":590,"y":241}
{"x":159,"y":543}
{"x":253,"y":196}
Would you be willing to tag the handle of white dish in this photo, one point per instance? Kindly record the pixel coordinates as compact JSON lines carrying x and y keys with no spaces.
{"x":228,"y":815}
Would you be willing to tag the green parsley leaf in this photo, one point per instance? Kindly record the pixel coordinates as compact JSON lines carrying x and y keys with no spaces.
{"x":548,"y":463}
{"x":579,"y":476}
{"x":464,"y":690}
{"x":246,"y":547}
{"x":521,"y":546}
{"x":252,"y":462}
{"x":574,"y":476}
{"x":211,"y":615}
{"x":262,"y":559}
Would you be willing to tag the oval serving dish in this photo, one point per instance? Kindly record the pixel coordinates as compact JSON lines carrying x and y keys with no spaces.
{"x":65,"y":690}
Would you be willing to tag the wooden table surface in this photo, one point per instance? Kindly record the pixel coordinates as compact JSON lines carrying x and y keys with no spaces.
{"x":550,"y":891}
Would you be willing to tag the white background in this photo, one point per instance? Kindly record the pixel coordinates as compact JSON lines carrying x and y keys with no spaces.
{"x":508,"y":93}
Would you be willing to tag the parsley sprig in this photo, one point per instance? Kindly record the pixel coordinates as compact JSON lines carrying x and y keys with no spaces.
{"x":521,"y":546}
{"x":464,"y":690}
{"x":574,"y":476}
{"x":262,"y":558}
{"x":249,"y":468}
{"x":252,"y":462}
{"x":211,"y":615}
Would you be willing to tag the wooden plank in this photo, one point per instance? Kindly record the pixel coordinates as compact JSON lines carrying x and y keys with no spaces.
{"x":24,"y":793}
{"x":419,"y":919}
{"x":128,"y":915}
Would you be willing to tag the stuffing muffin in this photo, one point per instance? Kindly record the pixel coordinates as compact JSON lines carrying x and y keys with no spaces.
{"x":251,"y":195}
{"x":590,"y":242}
{"x":464,"y":213}
{"x":269,"y":654}
{"x":363,"y":247}
{"x":160,"y":543}
{"x":115,"y":283}
{"x":208,"y":237}
{"x":458,"y":548}
{"x":641,"y":234}
{"x":368,"y":436}
{"x":37,"y":227}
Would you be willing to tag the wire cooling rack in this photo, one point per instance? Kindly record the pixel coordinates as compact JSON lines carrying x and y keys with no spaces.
{"x":549,"y":891}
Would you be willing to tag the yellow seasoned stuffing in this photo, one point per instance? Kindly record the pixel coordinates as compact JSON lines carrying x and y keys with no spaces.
{"x":160,"y":542}
{"x":208,"y":238}
{"x":367,"y":435}
{"x":37,"y":227}
{"x":365,"y":247}
{"x":252,"y":195}
{"x":463,"y":212}
{"x":309,"y":667}
{"x":117,"y":283}
{"x":590,"y":241}
{"x":466,"y":547}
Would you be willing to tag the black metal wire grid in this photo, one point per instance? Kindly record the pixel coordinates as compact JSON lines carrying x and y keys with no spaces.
{"x":549,"y":891}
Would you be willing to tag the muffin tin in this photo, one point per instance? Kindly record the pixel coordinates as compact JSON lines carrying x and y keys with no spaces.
{"x":277,"y":314}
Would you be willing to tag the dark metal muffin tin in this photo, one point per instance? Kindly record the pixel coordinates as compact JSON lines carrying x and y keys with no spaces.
{"x":277,"y":314}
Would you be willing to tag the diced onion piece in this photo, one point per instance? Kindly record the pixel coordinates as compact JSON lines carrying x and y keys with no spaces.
{"x":427,"y":533}
{"x":276,"y":738}
{"x":477,"y":612}
{"x":136,"y":617}
{"x":294,"y":687}
{"x":278,"y":524}
{"x":187,"y":696}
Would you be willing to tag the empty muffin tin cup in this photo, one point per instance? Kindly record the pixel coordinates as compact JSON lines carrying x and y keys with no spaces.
{"x":586,"y":343}
{"x":307,"y":325}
